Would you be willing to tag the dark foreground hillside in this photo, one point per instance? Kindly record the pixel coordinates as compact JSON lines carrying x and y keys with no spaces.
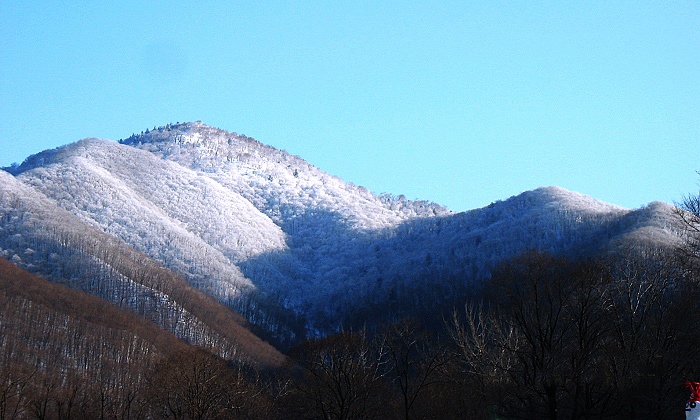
{"x":66,"y":354}
{"x":546,"y":337}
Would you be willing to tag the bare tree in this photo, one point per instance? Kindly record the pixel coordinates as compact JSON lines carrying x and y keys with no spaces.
{"x":415,"y":360}
{"x":340,"y":377}
{"x":650,"y":351}
{"x":541,"y":332}
{"x":191,"y":384}
{"x":14,"y":383}
{"x":486,"y":346}
{"x":688,"y":212}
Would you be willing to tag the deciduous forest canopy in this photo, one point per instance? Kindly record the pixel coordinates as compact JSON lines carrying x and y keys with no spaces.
{"x":191,"y":272}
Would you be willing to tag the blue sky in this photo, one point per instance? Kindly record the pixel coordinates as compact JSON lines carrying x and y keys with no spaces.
{"x":457,"y":102}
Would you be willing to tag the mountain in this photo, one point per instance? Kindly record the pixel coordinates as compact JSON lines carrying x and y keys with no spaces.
{"x":43,"y":238}
{"x":60,"y":334}
{"x":68,"y":354}
{"x":295,"y":250}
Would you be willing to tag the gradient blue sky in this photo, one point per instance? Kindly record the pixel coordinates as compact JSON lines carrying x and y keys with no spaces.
{"x":461,"y":103}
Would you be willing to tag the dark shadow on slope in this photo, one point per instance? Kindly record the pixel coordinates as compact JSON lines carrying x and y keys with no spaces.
{"x":338,"y":276}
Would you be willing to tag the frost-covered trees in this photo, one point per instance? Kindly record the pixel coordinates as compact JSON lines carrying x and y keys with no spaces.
{"x":258,"y":228}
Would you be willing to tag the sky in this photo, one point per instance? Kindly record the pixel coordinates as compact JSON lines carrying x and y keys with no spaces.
{"x":457,"y":102}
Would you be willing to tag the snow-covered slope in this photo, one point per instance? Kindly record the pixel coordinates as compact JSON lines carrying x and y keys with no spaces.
{"x":284,"y":242}
{"x":188,"y":221}
{"x":281,"y":185}
{"x":40,"y":236}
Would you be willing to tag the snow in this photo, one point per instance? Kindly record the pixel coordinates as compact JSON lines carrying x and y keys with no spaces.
{"x":239,"y":218}
{"x":59,"y":245}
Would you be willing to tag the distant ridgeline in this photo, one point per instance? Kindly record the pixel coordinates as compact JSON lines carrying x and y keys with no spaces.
{"x":186,"y":217}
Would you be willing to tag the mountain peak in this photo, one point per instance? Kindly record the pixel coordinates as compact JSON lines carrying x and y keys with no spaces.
{"x":554,"y":195}
{"x":183,"y":133}
{"x":209,"y":146}
{"x":250,"y":224}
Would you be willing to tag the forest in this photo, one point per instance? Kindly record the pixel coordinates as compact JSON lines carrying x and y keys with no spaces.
{"x":193,"y":273}
{"x":545,"y":337}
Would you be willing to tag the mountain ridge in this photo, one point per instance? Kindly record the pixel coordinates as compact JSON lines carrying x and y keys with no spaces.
{"x":293,"y":248}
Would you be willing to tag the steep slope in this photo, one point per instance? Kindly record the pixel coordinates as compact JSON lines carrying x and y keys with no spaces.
{"x":283,"y":186}
{"x":31,"y":309}
{"x":67,"y":354}
{"x":62,"y":350}
{"x":293,"y":248}
{"x":40,"y":236}
{"x":348,"y":247}
{"x":187,"y":221}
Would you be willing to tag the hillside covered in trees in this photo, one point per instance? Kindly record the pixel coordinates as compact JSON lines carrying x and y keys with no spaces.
{"x":210,"y":249}
{"x":293,"y":249}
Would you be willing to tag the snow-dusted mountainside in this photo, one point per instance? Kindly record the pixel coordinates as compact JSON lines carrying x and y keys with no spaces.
{"x":38,"y":235}
{"x":281,"y":185}
{"x":188,"y":221}
{"x":285,"y":243}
